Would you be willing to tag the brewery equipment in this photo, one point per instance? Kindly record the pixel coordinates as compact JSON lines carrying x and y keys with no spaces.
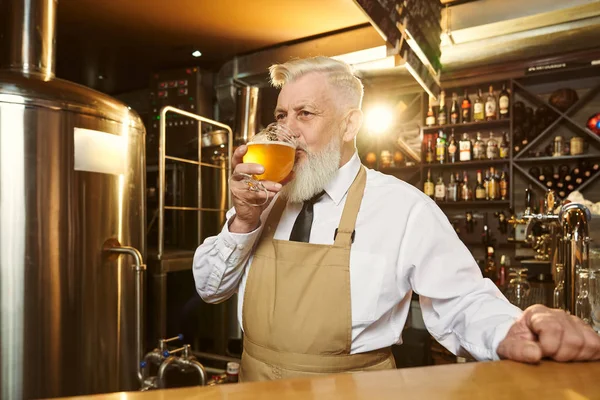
{"x":569,"y":249}
{"x":72,"y":214}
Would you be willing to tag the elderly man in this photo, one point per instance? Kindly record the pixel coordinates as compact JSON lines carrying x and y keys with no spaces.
{"x":325,"y":270}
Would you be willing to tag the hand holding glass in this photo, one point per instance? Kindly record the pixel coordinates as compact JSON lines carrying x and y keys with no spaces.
{"x":275,"y":149}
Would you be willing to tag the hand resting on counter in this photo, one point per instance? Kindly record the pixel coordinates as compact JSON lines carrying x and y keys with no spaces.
{"x":542,"y":332}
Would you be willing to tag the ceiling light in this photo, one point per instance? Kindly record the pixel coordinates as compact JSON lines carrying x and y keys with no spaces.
{"x":197,"y":53}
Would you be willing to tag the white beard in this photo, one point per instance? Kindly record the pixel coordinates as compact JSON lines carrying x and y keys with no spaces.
{"x":314,"y":173}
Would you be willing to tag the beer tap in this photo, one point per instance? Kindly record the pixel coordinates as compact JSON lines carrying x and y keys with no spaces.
{"x":569,"y":233}
{"x":155,"y":357}
{"x":184,"y":362}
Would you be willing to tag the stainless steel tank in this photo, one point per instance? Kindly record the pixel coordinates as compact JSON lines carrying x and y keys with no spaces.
{"x":71,"y":177}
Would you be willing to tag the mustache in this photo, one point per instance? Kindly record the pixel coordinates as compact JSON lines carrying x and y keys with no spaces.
{"x":301,"y":146}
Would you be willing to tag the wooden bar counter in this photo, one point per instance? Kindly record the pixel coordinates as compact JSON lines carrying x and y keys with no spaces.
{"x":483,"y":380}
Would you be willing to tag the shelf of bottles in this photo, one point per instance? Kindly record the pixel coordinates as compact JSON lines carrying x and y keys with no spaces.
{"x":449,"y":146}
{"x":556,"y":144}
{"x":565,"y":179}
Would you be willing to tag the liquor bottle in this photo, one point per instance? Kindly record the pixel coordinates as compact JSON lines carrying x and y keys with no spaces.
{"x":429,"y":153}
{"x":466,"y":148}
{"x":479,"y":149}
{"x":441,"y":118}
{"x":453,"y":152}
{"x":466,"y":193}
{"x":459,"y":186}
{"x":478,"y":108}
{"x":503,"y":186}
{"x":492,"y":150}
{"x":440,"y":147}
{"x":504,"y":149}
{"x":535,"y":172}
{"x":546,"y":174}
{"x":452,"y":190}
{"x":490,"y":105}
{"x":465,"y":108}
{"x":486,"y":181}
{"x":454,"y":110}
{"x":428,"y":187}
{"x":480,"y":193}
{"x":430,"y":120}
{"x":520,"y":140}
{"x":440,"y":189}
{"x":586,"y":169}
{"x":493,"y":187}
{"x":502,"y":272}
{"x":489,"y":270}
{"x":564,"y":173}
{"x":504,"y":103}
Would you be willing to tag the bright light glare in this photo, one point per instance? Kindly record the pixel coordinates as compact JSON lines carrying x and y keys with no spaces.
{"x":378,"y":119}
{"x":361,"y":56}
{"x":197,"y":53}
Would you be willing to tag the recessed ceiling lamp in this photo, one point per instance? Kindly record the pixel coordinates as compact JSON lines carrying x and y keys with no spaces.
{"x":197,"y":53}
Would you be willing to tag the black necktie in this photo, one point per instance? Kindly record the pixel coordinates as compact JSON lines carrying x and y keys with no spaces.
{"x":303,"y":224}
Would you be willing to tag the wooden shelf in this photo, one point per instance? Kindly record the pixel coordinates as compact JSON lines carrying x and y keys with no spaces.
{"x":562,"y":158}
{"x":400,"y":170}
{"x":469,"y":125}
{"x":474,"y":203}
{"x":467,"y":164}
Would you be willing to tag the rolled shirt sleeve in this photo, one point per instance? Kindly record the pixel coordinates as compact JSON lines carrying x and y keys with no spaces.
{"x":462,"y":310}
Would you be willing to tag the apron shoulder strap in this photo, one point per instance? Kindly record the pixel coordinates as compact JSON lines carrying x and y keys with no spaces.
{"x":345,"y":232}
{"x":273,"y":218}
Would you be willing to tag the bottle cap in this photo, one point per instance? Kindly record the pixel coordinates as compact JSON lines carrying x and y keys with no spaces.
{"x":233,"y":368}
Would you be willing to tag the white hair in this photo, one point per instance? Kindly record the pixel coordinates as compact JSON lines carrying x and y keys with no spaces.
{"x":339,"y":75}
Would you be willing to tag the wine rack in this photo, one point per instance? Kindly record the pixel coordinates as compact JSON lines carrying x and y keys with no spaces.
{"x":534,"y":92}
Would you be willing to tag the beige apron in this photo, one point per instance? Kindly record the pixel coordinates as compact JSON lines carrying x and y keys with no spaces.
{"x":297,"y":314}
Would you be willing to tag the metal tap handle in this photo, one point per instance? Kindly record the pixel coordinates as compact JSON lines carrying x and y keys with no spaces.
{"x":528,"y":201}
{"x":172,"y":339}
{"x":550,"y":202}
{"x":168,"y":353}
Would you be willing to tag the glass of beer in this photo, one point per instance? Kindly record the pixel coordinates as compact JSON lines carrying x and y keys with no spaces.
{"x":275,"y":149}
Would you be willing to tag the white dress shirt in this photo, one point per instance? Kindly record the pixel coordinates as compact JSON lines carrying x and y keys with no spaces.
{"x":403,"y":243}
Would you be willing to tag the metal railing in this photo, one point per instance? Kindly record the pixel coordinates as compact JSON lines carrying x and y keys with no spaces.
{"x":162,"y":157}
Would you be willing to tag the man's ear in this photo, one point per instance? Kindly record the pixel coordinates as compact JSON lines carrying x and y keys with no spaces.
{"x":353,"y":122}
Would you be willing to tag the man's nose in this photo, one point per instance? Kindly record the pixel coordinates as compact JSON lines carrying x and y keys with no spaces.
{"x":292,"y":125}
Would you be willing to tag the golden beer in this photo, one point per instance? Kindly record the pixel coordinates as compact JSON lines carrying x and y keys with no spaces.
{"x":276,"y":157}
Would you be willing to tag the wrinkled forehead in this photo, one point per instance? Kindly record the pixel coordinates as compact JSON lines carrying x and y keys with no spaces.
{"x":312,"y":88}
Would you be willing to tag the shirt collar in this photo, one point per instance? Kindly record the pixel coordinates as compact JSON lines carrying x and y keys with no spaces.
{"x":339,"y":185}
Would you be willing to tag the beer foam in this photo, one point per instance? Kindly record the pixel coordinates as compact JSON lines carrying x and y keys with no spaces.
{"x":266,"y":141}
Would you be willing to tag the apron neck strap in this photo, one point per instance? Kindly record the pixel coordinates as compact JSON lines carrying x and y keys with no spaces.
{"x":273,"y":218}
{"x":344,"y":235}
{"x":345,"y":232}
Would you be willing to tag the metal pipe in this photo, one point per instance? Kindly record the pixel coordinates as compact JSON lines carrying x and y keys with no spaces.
{"x":162,"y":158}
{"x":198,"y":367}
{"x":574,"y":219}
{"x":29,"y":28}
{"x":163,"y":369}
{"x":138,"y":267}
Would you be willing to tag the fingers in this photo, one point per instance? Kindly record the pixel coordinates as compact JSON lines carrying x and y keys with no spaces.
{"x":250,"y":192}
{"x":249,"y":169}
{"x":591,"y":347}
{"x":238,"y":155}
{"x":517,"y":349}
{"x":561,"y":336}
{"x":549,"y":329}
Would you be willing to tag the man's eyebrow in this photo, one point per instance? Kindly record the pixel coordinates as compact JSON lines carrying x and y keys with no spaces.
{"x":302,"y":105}
{"x":278,"y":110}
